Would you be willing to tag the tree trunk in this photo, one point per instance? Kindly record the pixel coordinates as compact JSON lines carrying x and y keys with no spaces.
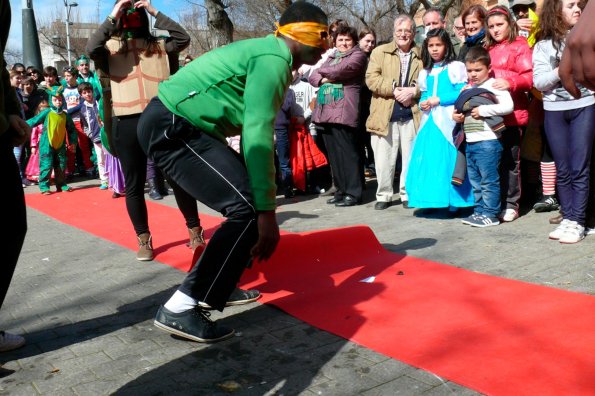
{"x":220,"y":26}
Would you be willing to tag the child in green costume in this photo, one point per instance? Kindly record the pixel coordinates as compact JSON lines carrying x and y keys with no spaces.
{"x":53,"y":143}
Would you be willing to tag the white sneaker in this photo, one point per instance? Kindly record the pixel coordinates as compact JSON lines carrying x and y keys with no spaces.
{"x":573,"y":233}
{"x":9,"y":341}
{"x":509,"y":215}
{"x":590,"y":231}
{"x":557,"y":233}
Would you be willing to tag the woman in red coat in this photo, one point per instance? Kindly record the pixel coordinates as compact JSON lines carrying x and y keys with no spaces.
{"x":513,"y":70}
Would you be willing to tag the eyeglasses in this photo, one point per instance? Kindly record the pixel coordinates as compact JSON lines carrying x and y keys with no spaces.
{"x":403,"y":32}
{"x":460,"y":27}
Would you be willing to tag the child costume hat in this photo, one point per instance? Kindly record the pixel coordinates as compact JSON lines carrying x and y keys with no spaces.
{"x":56,"y":91}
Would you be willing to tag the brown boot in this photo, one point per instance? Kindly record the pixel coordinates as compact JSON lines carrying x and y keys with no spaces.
{"x":196,"y":236}
{"x":145,"y":247}
{"x":556,"y":219}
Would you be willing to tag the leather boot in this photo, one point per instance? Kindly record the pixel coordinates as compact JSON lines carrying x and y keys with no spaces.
{"x":196,"y":235}
{"x":154,"y":193}
{"x":160,"y":183}
{"x":145,"y":247}
{"x":556,"y":219}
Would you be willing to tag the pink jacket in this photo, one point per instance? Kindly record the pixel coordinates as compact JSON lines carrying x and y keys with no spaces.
{"x":514,"y":62}
{"x":36,"y":134}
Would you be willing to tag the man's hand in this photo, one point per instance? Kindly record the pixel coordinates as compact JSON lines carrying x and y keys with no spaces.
{"x":21,"y":128}
{"x":404,"y":95}
{"x":525,"y":24}
{"x":268,"y":236}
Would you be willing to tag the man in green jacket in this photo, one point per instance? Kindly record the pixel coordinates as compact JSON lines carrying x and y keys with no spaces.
{"x":13,"y":132}
{"x":233,"y":90}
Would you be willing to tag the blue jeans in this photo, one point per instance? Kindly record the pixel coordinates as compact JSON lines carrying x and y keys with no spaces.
{"x":282,"y":143}
{"x":483,"y":161}
{"x":570,"y":135}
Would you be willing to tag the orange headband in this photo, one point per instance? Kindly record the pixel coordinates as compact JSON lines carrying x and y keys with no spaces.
{"x":313,"y":34}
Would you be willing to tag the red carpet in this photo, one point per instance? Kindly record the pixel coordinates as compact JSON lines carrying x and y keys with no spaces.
{"x":494,"y":335}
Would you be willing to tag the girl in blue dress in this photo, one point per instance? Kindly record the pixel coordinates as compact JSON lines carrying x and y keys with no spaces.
{"x":434,"y":154}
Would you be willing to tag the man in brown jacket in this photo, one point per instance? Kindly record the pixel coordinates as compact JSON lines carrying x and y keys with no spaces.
{"x":13,"y":132}
{"x":394,"y":114}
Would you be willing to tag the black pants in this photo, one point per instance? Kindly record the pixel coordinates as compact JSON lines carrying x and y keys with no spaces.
{"x":14,"y":214}
{"x":344,"y":158}
{"x":134,"y":166}
{"x":214,"y":174}
{"x":510,"y":167}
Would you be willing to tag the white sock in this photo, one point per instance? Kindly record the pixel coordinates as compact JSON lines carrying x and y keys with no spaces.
{"x":180,"y":302}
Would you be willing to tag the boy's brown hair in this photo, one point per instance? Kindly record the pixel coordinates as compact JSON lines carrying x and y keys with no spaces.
{"x":478,"y":54}
{"x":84,"y":86}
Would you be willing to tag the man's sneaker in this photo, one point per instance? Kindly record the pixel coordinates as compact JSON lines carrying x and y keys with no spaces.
{"x":557,"y":233}
{"x":573,"y":233}
{"x":469,"y":219}
{"x":145,"y":247}
{"x":483,"y":221}
{"x":194,"y":324}
{"x":509,"y":215}
{"x":547,"y":203}
{"x":9,"y":341}
{"x":237,"y":297}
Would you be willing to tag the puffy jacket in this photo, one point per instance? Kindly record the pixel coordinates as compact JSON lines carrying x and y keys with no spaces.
{"x":514,"y":63}
{"x":385,"y":68}
{"x":349,"y":71}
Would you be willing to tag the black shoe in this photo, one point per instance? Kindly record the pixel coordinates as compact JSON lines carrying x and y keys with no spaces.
{"x":26,"y":182}
{"x":347,"y":201}
{"x":381,"y":205}
{"x":154,"y":193}
{"x":193,"y":324}
{"x":547,"y":203}
{"x":238,"y":297}
{"x":334,"y":200}
{"x":289,"y":193}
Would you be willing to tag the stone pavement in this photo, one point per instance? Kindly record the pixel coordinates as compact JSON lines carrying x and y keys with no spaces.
{"x":86,"y":307}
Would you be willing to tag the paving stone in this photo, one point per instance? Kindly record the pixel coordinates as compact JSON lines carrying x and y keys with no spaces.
{"x":101,"y":387}
{"x":450,"y":389}
{"x":403,"y":385}
{"x":21,"y":390}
